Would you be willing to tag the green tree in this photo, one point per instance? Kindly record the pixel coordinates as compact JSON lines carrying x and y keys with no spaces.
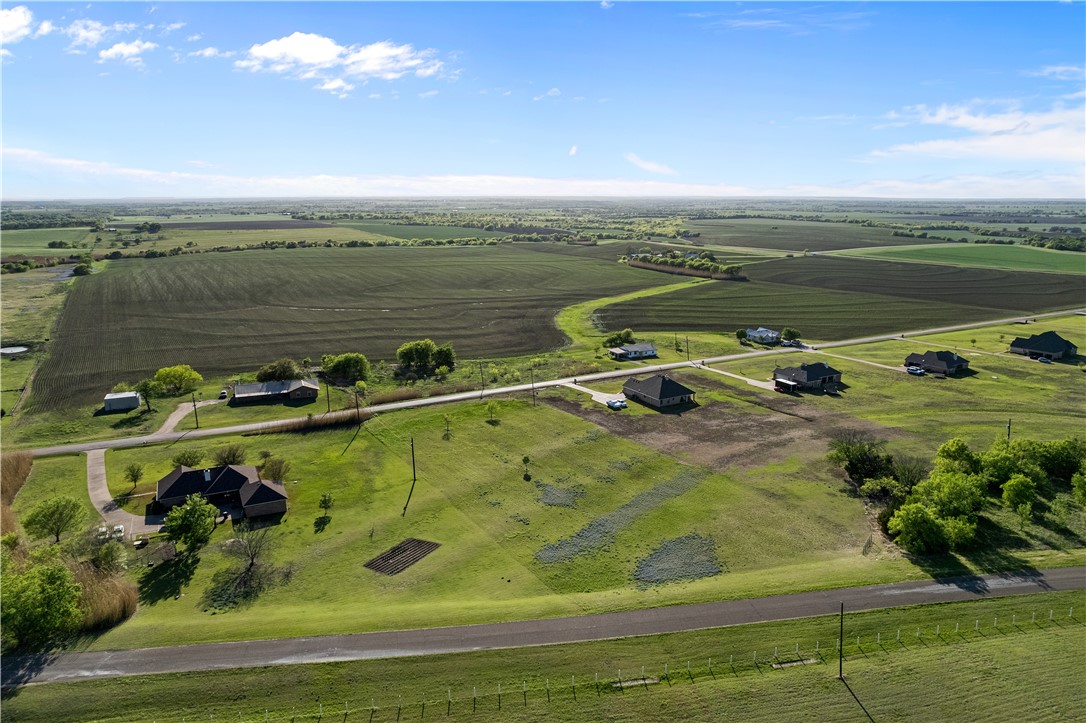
{"x":741,"y":334}
{"x":230,"y":454}
{"x":41,"y":605}
{"x":327,"y":501}
{"x":275,"y":468}
{"x":951,"y":494}
{"x":491,"y":410}
{"x":346,"y":368}
{"x":280,"y":370}
{"x":54,"y":516}
{"x":1019,"y":490}
{"x":192,"y":522}
{"x":917,"y":530}
{"x":417,"y":353}
{"x":861,"y":455}
{"x":133,"y":473}
{"x":960,"y":532}
{"x":360,"y":388}
{"x":111,"y":557}
{"x":149,"y":389}
{"x":189,"y":458}
{"x":954,"y":455}
{"x":626,"y":336}
{"x":1078,"y":487}
{"x":789,"y":334}
{"x":178,"y":379}
{"x":445,"y":356}
{"x":82,"y":270}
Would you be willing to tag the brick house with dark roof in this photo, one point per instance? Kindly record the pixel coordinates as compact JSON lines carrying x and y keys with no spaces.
{"x":233,"y":484}
{"x":806,"y":376}
{"x":1048,"y":344}
{"x":938,"y":362}
{"x":277,"y":391}
{"x":658,"y":391}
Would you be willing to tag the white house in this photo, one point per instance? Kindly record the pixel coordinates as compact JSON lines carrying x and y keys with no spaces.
{"x":762,"y":335}
{"x":121,"y":401}
{"x":633,"y":351}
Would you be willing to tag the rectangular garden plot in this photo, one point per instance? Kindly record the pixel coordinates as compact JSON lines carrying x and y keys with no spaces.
{"x":397,"y":559}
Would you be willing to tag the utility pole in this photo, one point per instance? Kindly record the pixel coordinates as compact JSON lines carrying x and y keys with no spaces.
{"x":1008,"y":430}
{"x":194,"y":412}
{"x":413,"y":478}
{"x":688,"y":348}
{"x":328,"y":396}
{"x":532,"y":372}
{"x":841,"y":647}
{"x":482,"y":381}
{"x":357,"y":415}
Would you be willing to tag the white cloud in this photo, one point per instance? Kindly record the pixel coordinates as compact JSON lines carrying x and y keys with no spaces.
{"x":1059,"y":72}
{"x":552,"y":93}
{"x":194,"y":37}
{"x":374,"y":96}
{"x":142,"y":181}
{"x":607,"y":4}
{"x":308,"y":56}
{"x":1058,"y":134}
{"x":128,"y":52}
{"x":167,"y":29}
{"x":15,"y":24}
{"x":5,"y":53}
{"x":337,"y":87}
{"x":89,"y":33}
{"x":428,"y":94}
{"x":211,"y":52}
{"x":44,"y":28}
{"x":649,"y":165}
{"x":573,"y":150}
{"x":201,"y":164}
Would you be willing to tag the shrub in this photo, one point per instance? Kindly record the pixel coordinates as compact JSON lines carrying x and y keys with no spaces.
{"x":280,"y":370}
{"x":917,"y":530}
{"x":230,"y":454}
{"x":189,"y":457}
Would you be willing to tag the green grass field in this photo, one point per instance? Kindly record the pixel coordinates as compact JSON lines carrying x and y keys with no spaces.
{"x":35,"y":241}
{"x":1017,"y":258}
{"x":1033,"y":668}
{"x":814,"y":236}
{"x":55,"y":477}
{"x":413,"y":231}
{"x":224,"y":313}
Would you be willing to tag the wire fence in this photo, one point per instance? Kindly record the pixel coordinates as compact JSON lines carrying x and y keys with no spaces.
{"x":533,"y":691}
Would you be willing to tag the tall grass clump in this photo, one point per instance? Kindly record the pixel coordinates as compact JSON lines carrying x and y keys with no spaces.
{"x":106,"y":599}
{"x":314,"y":422}
{"x":14,"y":469}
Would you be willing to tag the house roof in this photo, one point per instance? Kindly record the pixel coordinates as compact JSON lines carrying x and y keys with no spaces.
{"x":184,"y":481}
{"x":805,"y":373}
{"x":123,"y":395}
{"x":761,"y":331}
{"x":263,"y":389}
{"x":260,"y":491}
{"x":658,"y":386}
{"x":1049,"y":342}
{"x":947,"y":358}
{"x":645,"y":346}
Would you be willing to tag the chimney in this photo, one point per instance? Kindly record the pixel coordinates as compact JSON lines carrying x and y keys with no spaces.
{"x":207,"y":475}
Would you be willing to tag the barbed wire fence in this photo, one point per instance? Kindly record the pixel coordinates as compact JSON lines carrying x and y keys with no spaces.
{"x":572,"y":689}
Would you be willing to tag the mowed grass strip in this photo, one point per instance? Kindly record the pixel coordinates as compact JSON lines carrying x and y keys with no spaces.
{"x":772,"y":233}
{"x":1033,"y":669}
{"x":996,"y":256}
{"x":227,"y":312}
{"x":35,"y":241}
{"x":1014,"y":291}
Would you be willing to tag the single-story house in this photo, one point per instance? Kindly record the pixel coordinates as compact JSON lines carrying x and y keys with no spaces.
{"x":938,"y":362}
{"x":806,"y":376}
{"x":632,"y":351}
{"x":236,"y":484}
{"x":1049,"y":345}
{"x":277,"y":391}
{"x":658,"y":391}
{"x":762,"y":335}
{"x":121,"y":401}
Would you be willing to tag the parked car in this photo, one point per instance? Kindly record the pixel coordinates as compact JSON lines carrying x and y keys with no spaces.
{"x":118,"y":532}
{"x":223,"y":394}
{"x":103,"y":533}
{"x":616,"y":404}
{"x":1044,"y":360}
{"x":915,"y":371}
{"x":786,"y":342}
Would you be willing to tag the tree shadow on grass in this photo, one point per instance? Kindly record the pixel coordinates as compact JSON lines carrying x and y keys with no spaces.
{"x":20,"y":669}
{"x":321,"y":523}
{"x":241,"y":585}
{"x":166,"y":579}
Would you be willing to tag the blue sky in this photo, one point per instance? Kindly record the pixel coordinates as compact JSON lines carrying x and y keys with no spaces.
{"x":929,"y":100}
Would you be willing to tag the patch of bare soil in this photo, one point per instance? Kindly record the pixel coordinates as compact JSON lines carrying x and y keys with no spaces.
{"x":721,"y":435}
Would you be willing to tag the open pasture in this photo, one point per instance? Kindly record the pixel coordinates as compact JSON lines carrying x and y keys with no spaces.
{"x":995,"y":256}
{"x":725,"y":306}
{"x":772,"y":233}
{"x":35,"y":241}
{"x":419,"y":231}
{"x":210,"y":236}
{"x":1004,"y":291}
{"x":224,"y":313}
{"x":258,"y":224}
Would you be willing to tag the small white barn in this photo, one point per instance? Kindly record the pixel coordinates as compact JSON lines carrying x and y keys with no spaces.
{"x":121,"y":401}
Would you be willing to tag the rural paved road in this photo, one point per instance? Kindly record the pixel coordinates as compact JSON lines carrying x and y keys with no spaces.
{"x":467,"y":396}
{"x":18,"y":670}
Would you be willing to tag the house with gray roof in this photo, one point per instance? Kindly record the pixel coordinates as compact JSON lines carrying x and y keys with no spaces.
{"x":1049,"y":345}
{"x":289,"y":389}
{"x":938,"y":362}
{"x":763,"y":335}
{"x":658,"y":391}
{"x":232,"y":484}
{"x":806,"y":376}
{"x":632,"y":351}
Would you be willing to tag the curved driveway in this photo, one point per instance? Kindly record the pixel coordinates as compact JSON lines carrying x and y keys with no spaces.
{"x":552,"y":631}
